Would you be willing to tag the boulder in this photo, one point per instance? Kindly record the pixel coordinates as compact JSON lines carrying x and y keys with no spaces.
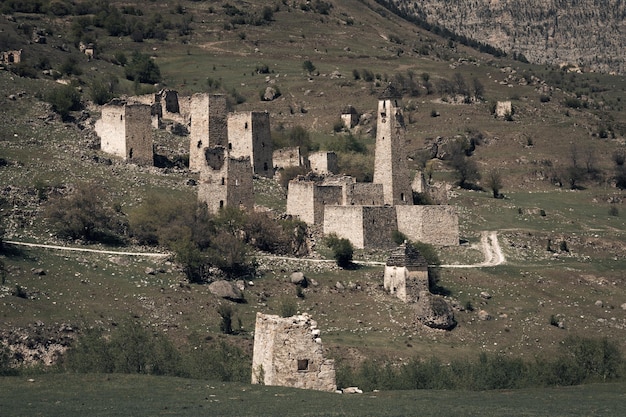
{"x":270,"y":94}
{"x":39,"y":272}
{"x":599,"y":303}
{"x":352,"y":390}
{"x":485,"y":295}
{"x":483,"y":315}
{"x":150,"y":271}
{"x":298,"y":278}
{"x":226,"y":289}
{"x":435,"y":312}
{"x":623,"y":306}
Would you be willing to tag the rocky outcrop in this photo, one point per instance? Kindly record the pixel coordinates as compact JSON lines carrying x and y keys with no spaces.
{"x":433,"y":311}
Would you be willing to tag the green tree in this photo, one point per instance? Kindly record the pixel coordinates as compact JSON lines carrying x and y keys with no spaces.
{"x":85,"y":214}
{"x":342,"y":248}
{"x":494,"y":182}
{"x":64,"y":99}
{"x":143,"y":69}
{"x":308,"y":66}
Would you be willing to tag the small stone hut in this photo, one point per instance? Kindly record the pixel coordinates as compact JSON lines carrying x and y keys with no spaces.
{"x":288,"y":352}
{"x":406,"y":273}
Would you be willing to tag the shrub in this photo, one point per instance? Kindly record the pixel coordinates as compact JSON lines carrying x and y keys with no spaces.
{"x":308,"y":66}
{"x":288,"y":308}
{"x":85,"y":214}
{"x":342,"y":248}
{"x":613,"y":211}
{"x":143,"y":69}
{"x":63,"y":100}
{"x":226,"y":314}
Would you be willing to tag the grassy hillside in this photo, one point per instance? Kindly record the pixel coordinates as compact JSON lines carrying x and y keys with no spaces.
{"x":558,"y":117}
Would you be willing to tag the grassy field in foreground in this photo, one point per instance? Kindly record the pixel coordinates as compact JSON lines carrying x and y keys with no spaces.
{"x":132,"y":395}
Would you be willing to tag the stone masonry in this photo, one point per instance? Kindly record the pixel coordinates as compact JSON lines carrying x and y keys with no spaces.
{"x":208,"y":126}
{"x":390,"y":162}
{"x":225,"y":181}
{"x":288,"y":352}
{"x":125,"y":130}
{"x":363,"y":226}
{"x":323,"y":162}
{"x":406,"y":273}
{"x":249,"y":135}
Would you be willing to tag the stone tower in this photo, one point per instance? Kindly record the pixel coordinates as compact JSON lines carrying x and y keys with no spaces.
{"x":390,"y":163}
{"x":249,"y":135}
{"x":225,"y":181}
{"x":125,"y":130}
{"x":208,"y":126}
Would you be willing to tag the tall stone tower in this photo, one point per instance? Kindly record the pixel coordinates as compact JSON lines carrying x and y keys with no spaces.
{"x":390,"y":163}
{"x":249,"y":135}
{"x":225,"y":181}
{"x":208,"y":126}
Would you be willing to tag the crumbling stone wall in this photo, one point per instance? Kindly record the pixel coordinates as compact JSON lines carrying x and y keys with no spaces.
{"x":406,"y":273}
{"x":435,"y":225}
{"x":363,"y":226}
{"x":288,"y":352}
{"x":249,"y":135}
{"x":225,"y":181}
{"x":208,"y":126}
{"x":323,"y":162}
{"x":349,"y":117}
{"x":307,"y":199}
{"x":10,"y":57}
{"x":125,"y":130}
{"x":288,"y":157}
{"x":390,"y":161}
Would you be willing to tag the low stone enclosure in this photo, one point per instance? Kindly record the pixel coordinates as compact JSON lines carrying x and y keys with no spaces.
{"x":288,"y":352}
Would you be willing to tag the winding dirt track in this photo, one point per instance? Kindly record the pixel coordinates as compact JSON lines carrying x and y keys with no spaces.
{"x":488,"y":242}
{"x":490,"y":247}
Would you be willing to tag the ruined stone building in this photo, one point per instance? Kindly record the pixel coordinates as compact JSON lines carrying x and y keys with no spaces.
{"x":225,"y":181}
{"x":406,"y":273}
{"x":249,"y":135}
{"x":288,"y":157}
{"x":125,"y":130}
{"x":349,"y":117}
{"x":367,"y":214}
{"x":209,"y":127}
{"x":504,"y":108}
{"x":323,"y":162}
{"x":288,"y":352}
{"x":390,"y":163}
{"x":10,"y":57}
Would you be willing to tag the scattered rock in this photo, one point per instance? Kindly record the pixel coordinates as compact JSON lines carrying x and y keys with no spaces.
{"x":270,"y":94}
{"x":226,"y":289}
{"x":433,"y":311}
{"x":352,"y":390}
{"x":315,"y":283}
{"x":623,"y":306}
{"x":599,"y":303}
{"x":340,"y":286}
{"x":483,"y":315}
{"x":298,"y":278}
{"x":241,"y":284}
{"x":39,"y":271}
{"x":150,"y":271}
{"x":485,"y":295}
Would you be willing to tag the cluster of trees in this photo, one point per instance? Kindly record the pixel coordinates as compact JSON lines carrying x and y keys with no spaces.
{"x":201,"y":240}
{"x":243,"y":17}
{"x":579,"y":360}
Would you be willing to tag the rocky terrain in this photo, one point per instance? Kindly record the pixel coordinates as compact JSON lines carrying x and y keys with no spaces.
{"x":587,"y":34}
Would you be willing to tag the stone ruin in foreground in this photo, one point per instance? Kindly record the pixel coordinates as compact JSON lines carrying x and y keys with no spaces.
{"x":288,"y":352}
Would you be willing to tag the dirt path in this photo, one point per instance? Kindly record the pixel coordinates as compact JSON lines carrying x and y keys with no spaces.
{"x":490,"y":247}
{"x":108,"y":252}
{"x":488,"y":242}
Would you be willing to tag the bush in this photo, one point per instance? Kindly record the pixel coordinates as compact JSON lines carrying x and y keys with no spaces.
{"x":143,"y":69}
{"x":63,"y":100}
{"x":226,"y":314}
{"x":85,"y":214}
{"x":308,"y":66}
{"x":342,"y":248}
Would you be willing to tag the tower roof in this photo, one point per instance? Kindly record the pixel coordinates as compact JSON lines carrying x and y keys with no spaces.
{"x":406,"y":255}
{"x":389,"y":92}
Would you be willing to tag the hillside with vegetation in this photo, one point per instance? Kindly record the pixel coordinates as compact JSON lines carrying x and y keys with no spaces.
{"x":553,"y":314}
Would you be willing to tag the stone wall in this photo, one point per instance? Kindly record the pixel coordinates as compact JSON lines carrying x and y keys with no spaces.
{"x":208,"y":115}
{"x":504,"y":108}
{"x":249,"y":135}
{"x":225,"y":181}
{"x":364,"y":194}
{"x":10,"y":57}
{"x":125,"y":130}
{"x":288,"y":352}
{"x":363,"y":226}
{"x":435,"y":225}
{"x":139,"y":138}
{"x":288,"y":157}
{"x":323,"y":162}
{"x":307,"y":199}
{"x":406,"y":273}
